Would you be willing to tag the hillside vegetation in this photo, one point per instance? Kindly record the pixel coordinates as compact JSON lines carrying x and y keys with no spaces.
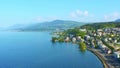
{"x":102,"y":25}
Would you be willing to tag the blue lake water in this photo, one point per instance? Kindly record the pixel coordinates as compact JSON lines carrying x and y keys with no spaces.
{"x":35,"y":50}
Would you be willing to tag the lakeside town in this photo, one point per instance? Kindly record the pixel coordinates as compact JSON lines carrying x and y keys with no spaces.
{"x":104,"y":43}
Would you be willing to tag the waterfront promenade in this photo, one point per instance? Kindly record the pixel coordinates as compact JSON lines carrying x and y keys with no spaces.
{"x":107,"y":63}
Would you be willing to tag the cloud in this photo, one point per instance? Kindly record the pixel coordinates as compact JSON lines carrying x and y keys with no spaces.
{"x":86,"y":13}
{"x":111,"y":16}
{"x":73,"y":15}
{"x":106,"y":17}
{"x":39,"y":18}
{"x":116,"y":14}
{"x":79,"y":13}
{"x":86,"y":16}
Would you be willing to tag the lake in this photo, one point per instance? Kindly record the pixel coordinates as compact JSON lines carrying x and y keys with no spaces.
{"x":35,"y":50}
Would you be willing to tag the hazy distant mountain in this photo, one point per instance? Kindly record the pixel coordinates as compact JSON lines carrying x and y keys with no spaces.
{"x":118,"y":20}
{"x":56,"y":24}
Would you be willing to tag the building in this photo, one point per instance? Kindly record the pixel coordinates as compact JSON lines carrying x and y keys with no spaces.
{"x":117,"y":55}
{"x":74,"y":39}
{"x":67,"y":39}
{"x":87,"y":37}
{"x":102,"y":46}
{"x":83,"y":30}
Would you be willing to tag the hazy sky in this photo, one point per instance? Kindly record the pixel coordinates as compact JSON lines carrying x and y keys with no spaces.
{"x":31,"y":11}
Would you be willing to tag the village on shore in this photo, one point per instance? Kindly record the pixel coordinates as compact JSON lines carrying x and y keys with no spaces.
{"x":105,"y":41}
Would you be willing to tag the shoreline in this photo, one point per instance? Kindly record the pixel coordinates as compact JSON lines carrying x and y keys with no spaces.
{"x":100,"y":57}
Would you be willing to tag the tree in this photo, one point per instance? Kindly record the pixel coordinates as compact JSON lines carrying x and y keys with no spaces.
{"x":54,"y":39}
{"x":82,"y":46}
{"x":76,"y":32}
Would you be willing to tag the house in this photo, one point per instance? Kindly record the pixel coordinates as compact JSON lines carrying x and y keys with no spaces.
{"x":100,"y":32}
{"x":115,"y":41}
{"x":73,"y":39}
{"x":106,"y":40}
{"x":79,"y":38}
{"x":109,"y":39}
{"x":104,"y":33}
{"x":105,"y":49}
{"x":117,"y":55}
{"x":99,"y":42}
{"x":92,"y":43}
{"x":116,"y":47}
{"x":94,"y":34}
{"x":83,"y":30}
{"x":87,"y":37}
{"x":109,"y":51}
{"x":67,"y":39}
{"x":102,"y":46}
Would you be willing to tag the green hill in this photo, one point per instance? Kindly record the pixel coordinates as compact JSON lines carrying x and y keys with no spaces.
{"x":101,"y":25}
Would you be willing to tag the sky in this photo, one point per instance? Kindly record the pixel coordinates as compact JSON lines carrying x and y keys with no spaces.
{"x":34,"y":11}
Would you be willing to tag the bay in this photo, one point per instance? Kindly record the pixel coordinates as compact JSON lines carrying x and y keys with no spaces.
{"x":35,"y":50}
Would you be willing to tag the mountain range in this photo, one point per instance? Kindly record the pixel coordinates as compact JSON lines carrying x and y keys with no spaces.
{"x":52,"y":25}
{"x":61,"y":24}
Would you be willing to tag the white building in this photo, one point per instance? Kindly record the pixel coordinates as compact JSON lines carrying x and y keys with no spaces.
{"x":99,"y":30}
{"x":83,"y":30}
{"x":106,"y":39}
{"x":67,"y":39}
{"x":87,"y":37}
{"x":73,"y":39}
{"x":117,"y":54}
{"x":79,"y":38}
{"x":102,"y":46}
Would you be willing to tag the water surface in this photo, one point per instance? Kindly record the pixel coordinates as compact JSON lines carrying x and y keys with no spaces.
{"x":35,"y":50}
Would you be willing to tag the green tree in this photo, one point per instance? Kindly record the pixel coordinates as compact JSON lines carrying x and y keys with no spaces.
{"x":82,"y":46}
{"x":76,"y":32}
{"x":54,"y":39}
